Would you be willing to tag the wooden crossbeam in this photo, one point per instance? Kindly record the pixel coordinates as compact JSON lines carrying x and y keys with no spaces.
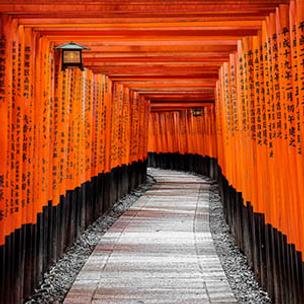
{"x":164,"y":50}
{"x":114,"y":8}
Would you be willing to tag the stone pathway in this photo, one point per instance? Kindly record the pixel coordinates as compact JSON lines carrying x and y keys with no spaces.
{"x":159,"y":251}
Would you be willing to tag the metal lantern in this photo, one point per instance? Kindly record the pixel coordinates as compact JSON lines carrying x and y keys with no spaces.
{"x":197,"y":112}
{"x":71,"y":55}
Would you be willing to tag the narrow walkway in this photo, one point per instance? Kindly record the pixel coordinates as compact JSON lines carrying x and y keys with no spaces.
{"x":160,"y":251}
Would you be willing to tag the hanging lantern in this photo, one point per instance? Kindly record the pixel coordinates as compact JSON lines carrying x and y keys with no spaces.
{"x":197,"y":112}
{"x":71,"y":55}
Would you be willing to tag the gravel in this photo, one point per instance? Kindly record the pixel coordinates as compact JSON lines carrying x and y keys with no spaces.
{"x":235,"y":264}
{"x":57,"y":281}
{"x":59,"y":278}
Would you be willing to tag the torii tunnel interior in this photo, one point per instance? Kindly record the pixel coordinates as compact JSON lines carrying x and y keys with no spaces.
{"x":212,"y":87}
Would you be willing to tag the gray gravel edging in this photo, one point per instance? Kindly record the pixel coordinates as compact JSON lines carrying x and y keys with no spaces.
{"x":59,"y":278}
{"x":235,"y":264}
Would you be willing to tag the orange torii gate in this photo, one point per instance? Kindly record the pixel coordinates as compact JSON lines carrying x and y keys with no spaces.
{"x":64,"y":131}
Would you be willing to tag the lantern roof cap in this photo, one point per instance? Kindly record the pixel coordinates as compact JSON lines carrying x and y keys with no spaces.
{"x":72,"y":46}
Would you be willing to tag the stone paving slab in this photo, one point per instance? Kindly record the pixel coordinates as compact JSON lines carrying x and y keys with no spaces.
{"x":159,"y":251}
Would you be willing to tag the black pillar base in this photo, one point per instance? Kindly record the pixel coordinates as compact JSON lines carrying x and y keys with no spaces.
{"x":277,"y":265}
{"x":30,"y":250}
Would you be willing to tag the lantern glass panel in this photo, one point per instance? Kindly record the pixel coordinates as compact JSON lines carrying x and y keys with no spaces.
{"x":71,"y":57}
